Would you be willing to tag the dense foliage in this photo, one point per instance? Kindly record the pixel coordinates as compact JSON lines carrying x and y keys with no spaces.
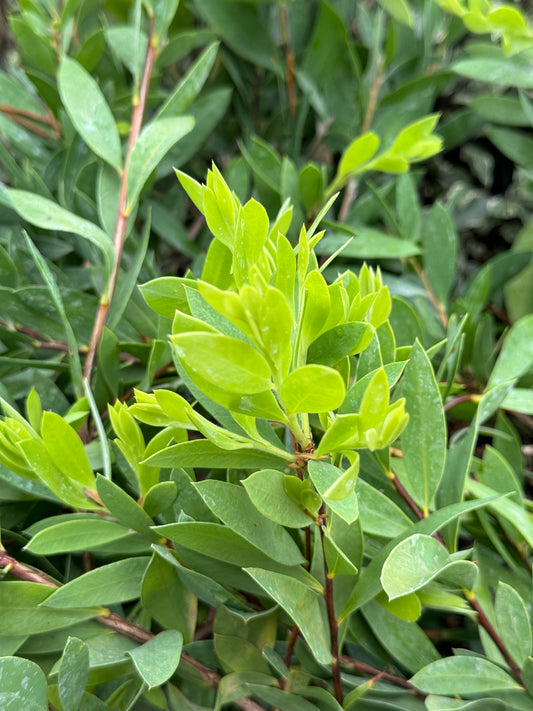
{"x":266,"y":356}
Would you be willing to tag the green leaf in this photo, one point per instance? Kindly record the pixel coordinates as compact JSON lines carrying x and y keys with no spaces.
{"x":165,"y":597}
{"x":369,"y":583}
{"x":267,"y":492}
{"x":513,"y":625}
{"x":225,"y":362}
{"x":191,"y":84}
{"x":516,"y":355}
{"x":21,"y":621}
{"x":66,"y":449}
{"x":125,"y":509}
{"x":107,"y":585}
{"x":231,"y":504}
{"x":378,"y":514}
{"x":216,"y":541}
{"x":89,"y":111}
{"x":73,"y":674}
{"x":312,"y":388}
{"x":416,"y":561}
{"x":368,"y":244}
{"x":440,"y":251}
{"x":462,"y":675}
{"x":424,"y":438}
{"x":305,"y":606}
{"x":71,"y":536}
{"x":22,"y":685}
{"x":157,"y":659}
{"x":325,"y":476}
{"x":38,"y":458}
{"x":202,"y":453}
{"x":506,"y":507}
{"x":336,"y":343}
{"x":359,"y":152}
{"x":46,"y":273}
{"x":400,"y":10}
{"x":503,"y":71}
{"x":406,"y":641}
{"x":519,"y":400}
{"x":48,"y":215}
{"x":154,"y":141}
{"x":243,"y":31}
{"x":166,"y":294}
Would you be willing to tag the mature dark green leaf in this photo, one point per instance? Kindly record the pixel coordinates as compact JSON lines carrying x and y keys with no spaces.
{"x":424,"y":438}
{"x":231,"y":504}
{"x":155,"y":140}
{"x":157,"y":659}
{"x":305,"y":606}
{"x":107,"y":585}
{"x":89,"y":111}
{"x":22,"y":685}
{"x":73,"y":674}
{"x":268,"y":494}
{"x":462,"y":675}
{"x":513,"y":623}
{"x":71,"y":536}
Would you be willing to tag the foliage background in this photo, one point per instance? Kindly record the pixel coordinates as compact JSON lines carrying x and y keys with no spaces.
{"x":278,"y":93}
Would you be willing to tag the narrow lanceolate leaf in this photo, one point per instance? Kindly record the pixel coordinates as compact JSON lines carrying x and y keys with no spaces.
{"x":107,"y":585}
{"x":73,"y":674}
{"x":157,"y":659}
{"x":462,"y":675}
{"x":89,"y":111}
{"x":231,"y":504}
{"x":81,"y":535}
{"x":312,"y":388}
{"x":223,"y":361}
{"x":305,"y":606}
{"x":155,"y":140}
{"x":516,"y":355}
{"x":440,"y":251}
{"x":424,"y":438}
{"x":22,"y":685}
{"x":48,"y":215}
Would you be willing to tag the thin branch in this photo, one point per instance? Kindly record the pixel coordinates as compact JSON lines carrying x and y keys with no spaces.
{"x":373,"y":672}
{"x":117,"y":623}
{"x":20,"y":115}
{"x":484,"y":621}
{"x":289,"y":58}
{"x":471,"y":397}
{"x":333,"y":627}
{"x":431,"y":294}
{"x":122,"y":215}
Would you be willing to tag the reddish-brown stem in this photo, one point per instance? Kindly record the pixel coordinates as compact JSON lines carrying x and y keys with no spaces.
{"x":116,"y":623}
{"x":122,"y":215}
{"x":484,"y":621}
{"x":333,"y":627}
{"x":20,"y":115}
{"x":289,"y":58}
{"x":406,"y":496}
{"x":373,"y":672}
{"x":431,"y":294}
{"x":471,"y":397}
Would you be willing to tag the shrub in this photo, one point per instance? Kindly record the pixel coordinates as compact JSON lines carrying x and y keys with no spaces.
{"x":281,"y":480}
